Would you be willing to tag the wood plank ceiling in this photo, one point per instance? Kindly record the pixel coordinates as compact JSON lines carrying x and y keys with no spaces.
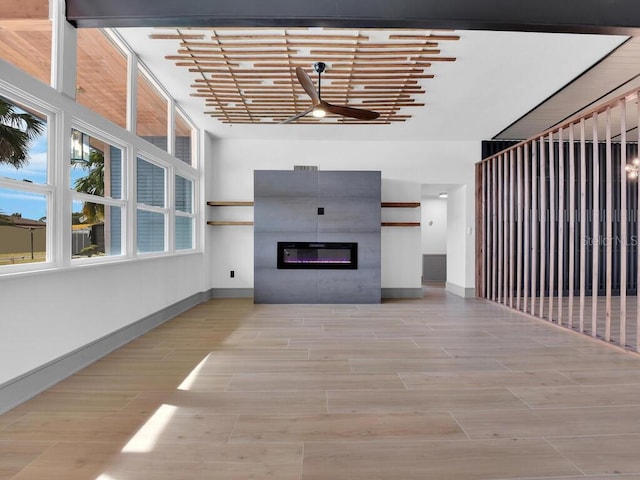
{"x":248,"y":75}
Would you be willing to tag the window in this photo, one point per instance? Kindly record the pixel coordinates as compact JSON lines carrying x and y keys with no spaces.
{"x":101,"y":76}
{"x":152,"y":119}
{"x":185,"y":218}
{"x":25,"y":37}
{"x":151,"y":207}
{"x":96,"y":179}
{"x":24,"y":188}
{"x":183,"y":139}
{"x":23,"y":155}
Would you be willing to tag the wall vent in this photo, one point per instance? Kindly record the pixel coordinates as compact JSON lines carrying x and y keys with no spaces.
{"x":305,"y":167}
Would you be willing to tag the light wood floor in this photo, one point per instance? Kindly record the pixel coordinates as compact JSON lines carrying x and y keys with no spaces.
{"x":438,"y":388}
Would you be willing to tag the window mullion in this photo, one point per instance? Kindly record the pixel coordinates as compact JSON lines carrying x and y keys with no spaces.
{"x":62,"y":195}
{"x":130,"y":187}
{"x":170,"y":227}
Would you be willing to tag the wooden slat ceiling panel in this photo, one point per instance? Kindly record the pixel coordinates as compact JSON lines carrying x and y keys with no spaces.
{"x":248,"y":75}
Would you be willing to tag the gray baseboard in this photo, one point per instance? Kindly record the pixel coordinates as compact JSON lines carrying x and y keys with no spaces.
{"x":402,"y":293}
{"x":461,"y":291}
{"x":231,"y":292}
{"x":26,"y":386}
{"x":248,"y":293}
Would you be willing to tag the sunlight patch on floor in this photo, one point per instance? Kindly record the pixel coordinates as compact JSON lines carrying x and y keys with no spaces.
{"x":146,"y":437}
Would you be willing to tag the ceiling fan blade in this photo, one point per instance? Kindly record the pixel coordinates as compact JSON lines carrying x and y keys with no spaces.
{"x":307,"y":84}
{"x":351,"y":112}
{"x":298,"y":115}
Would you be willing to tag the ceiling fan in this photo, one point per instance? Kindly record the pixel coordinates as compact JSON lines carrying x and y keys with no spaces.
{"x":320,"y":108}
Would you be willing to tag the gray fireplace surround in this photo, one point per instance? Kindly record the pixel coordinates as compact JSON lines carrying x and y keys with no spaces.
{"x":316,"y":207}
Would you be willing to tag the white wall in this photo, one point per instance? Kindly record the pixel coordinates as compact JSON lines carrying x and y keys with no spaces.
{"x":460,"y":239}
{"x":401,"y":259}
{"x":434,"y":226}
{"x":46,"y":315}
{"x":230,"y":177}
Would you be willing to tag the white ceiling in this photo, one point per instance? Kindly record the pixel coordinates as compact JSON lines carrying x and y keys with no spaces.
{"x":497,"y":78}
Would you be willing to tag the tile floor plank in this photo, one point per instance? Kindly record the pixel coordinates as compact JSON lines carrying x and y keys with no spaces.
{"x":250,"y":382}
{"x":332,"y":427}
{"x":551,"y":422}
{"x":601,"y":455}
{"x":469,"y":460}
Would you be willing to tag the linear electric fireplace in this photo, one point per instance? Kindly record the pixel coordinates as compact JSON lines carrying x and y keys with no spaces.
{"x":313,"y":255}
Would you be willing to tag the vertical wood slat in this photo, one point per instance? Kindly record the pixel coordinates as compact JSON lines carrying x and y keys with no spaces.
{"x":609,"y":226}
{"x":500,"y":228}
{"x":534,"y":225}
{"x":552,"y":224}
{"x":583,"y":222}
{"x":505,"y":226}
{"x":520,"y":226}
{"x":571,"y":248}
{"x":485,"y":220}
{"x":512,"y":226}
{"x":543,"y":226}
{"x":491,"y":185}
{"x":560,"y":242}
{"x":595,"y":239}
{"x":527,"y":217}
{"x":637,"y":345}
{"x":481,"y":209}
{"x":494,"y":227}
{"x":623,"y":223}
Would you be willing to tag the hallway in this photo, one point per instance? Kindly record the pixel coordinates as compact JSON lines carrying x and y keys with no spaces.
{"x":437,"y":388}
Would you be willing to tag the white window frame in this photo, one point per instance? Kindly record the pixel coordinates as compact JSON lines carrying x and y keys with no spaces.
{"x":53,"y":254}
{"x":123,"y":202}
{"x":142,"y":69}
{"x":194,"y":137}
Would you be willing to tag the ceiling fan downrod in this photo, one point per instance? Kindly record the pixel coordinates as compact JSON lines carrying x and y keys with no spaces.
{"x":319,"y":67}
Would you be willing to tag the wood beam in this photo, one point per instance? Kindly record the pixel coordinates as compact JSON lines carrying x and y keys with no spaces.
{"x":571,"y":16}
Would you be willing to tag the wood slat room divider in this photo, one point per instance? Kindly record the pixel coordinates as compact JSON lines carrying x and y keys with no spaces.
{"x":558,"y":226}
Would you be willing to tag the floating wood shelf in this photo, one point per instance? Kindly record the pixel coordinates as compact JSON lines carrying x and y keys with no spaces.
{"x":400,"y":224}
{"x":400,"y":204}
{"x":230,"y":204}
{"x":220,"y":223}
{"x":250,"y":204}
{"x":384,"y":224}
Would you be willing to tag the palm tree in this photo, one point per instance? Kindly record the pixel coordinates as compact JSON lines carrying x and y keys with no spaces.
{"x":18,"y":129}
{"x":92,"y":183}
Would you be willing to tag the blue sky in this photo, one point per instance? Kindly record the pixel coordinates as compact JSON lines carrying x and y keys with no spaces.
{"x":30,"y":205}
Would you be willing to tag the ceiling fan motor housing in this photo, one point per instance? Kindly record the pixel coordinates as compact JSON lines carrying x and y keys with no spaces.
{"x":319,"y":67}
